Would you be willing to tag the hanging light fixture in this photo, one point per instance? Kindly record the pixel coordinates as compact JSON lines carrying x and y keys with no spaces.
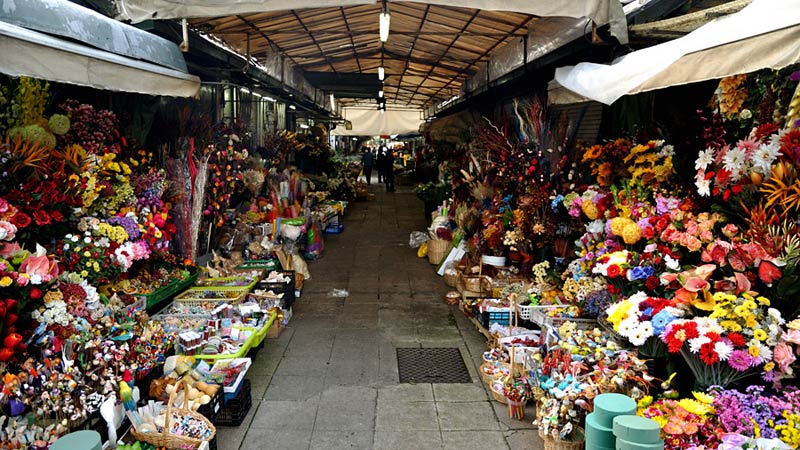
{"x":383,"y":21}
{"x":333,"y":104}
{"x":380,"y":93}
{"x":381,"y":73}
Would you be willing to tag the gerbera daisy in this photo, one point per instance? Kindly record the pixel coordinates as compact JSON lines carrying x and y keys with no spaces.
{"x":740,"y":360}
{"x":734,"y":161}
{"x":704,"y":158}
{"x":764,"y":157}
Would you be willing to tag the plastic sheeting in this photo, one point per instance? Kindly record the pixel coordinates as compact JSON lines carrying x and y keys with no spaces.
{"x":600,"y":11}
{"x":762,"y":35}
{"x":370,"y":122}
{"x":30,"y":53}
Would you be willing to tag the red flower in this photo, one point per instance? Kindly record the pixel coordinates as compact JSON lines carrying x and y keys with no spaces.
{"x":36,"y":294}
{"x":41,"y":217}
{"x":648,"y":232}
{"x":768,"y":272}
{"x":57,"y":216}
{"x":21,"y":220}
{"x":737,"y":339}
{"x":613,"y":290}
{"x":614,"y":271}
{"x":651,"y":282}
{"x":708,"y":355}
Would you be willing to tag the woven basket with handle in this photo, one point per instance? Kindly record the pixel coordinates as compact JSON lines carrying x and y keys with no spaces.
{"x":438,"y":250}
{"x":169,"y":440}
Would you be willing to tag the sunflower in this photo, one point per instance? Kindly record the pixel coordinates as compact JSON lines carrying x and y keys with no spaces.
{"x":592,"y":153}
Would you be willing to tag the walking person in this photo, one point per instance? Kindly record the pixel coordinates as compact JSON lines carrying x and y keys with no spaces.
{"x":388,"y":170}
{"x":367,"y":162}
{"x":381,"y":161}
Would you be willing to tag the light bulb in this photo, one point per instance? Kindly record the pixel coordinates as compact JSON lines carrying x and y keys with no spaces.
{"x":381,"y":73}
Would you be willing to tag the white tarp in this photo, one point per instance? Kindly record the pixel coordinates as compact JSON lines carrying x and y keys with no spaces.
{"x":600,"y":11}
{"x":370,"y":122}
{"x":765,"y":34}
{"x":30,"y":53}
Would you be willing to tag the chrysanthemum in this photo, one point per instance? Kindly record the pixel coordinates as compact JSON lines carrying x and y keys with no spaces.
{"x":723,"y":349}
{"x":703,"y":187}
{"x":696,"y":343}
{"x":704,"y":158}
{"x":764,"y":157}
{"x":734,"y":161}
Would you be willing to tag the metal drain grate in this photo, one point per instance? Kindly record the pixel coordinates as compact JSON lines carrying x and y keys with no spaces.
{"x":431,"y":365}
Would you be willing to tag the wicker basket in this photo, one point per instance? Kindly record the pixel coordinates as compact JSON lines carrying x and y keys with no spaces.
{"x":451,"y":279}
{"x":168,"y":440}
{"x":452,"y":298}
{"x":475,"y":283}
{"x":438,"y":250}
{"x":577,"y":441}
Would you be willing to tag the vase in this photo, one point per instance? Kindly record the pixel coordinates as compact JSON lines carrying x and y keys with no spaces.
{"x":497,"y":261}
{"x":514,"y":256}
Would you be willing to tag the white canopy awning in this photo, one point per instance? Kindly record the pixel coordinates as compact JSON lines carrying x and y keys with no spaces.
{"x":34,"y":54}
{"x":600,"y":11}
{"x":764,"y":34}
{"x":370,"y":122}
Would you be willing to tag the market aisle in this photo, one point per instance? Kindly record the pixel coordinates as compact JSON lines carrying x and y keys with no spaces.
{"x":330,"y":381}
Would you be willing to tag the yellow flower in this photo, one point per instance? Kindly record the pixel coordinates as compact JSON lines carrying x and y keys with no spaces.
{"x":662,"y":421}
{"x":760,"y":334}
{"x":763,"y":301}
{"x":753,"y":350}
{"x":5,"y":281}
{"x":590,"y":209}
{"x":645,"y":401}
{"x":84,"y":273}
{"x":740,"y":311}
{"x":96,"y":266}
{"x":731,"y":325}
{"x":703,"y":397}
{"x":157,"y":234}
{"x":695,"y":407}
{"x":794,"y":325}
{"x":768,"y":367}
{"x":750,"y":321}
{"x":749,"y":304}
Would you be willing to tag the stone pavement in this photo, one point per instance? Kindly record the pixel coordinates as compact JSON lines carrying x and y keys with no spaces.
{"x":330,"y":380}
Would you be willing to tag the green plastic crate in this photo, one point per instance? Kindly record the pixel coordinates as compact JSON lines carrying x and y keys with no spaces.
{"x":159,"y":296}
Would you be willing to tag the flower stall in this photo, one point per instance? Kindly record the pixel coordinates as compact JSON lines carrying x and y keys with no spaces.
{"x":96,"y":232}
{"x":666,"y":271}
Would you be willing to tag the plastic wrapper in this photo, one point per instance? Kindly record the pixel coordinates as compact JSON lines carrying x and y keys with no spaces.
{"x":314,"y":245}
{"x":417,"y":238}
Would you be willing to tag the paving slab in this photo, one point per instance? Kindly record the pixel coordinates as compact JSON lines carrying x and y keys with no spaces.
{"x":345,"y":415}
{"x":417,"y":440}
{"x":341,"y":440}
{"x":473,"y":416}
{"x":285,"y":415}
{"x":406,"y":416}
{"x":473,"y":440}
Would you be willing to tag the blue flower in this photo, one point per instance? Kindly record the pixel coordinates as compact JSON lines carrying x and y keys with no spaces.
{"x":556,"y":201}
{"x":640,"y":273}
{"x":661,"y":320}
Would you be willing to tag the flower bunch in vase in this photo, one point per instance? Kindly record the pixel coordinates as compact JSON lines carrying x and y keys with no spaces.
{"x":642,"y":319}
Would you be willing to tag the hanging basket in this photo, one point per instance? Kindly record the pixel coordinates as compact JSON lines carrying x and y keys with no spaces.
{"x":169,"y":440}
{"x":438,"y":250}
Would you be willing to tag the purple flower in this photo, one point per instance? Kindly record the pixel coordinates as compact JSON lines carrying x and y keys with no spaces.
{"x":740,"y":360}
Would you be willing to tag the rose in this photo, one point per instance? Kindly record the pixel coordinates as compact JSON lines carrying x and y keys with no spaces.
{"x":57,"y":216}
{"x":7,"y":231}
{"x":41,"y":217}
{"x":614,"y":271}
{"x":783,"y":356}
{"x":21,"y":220}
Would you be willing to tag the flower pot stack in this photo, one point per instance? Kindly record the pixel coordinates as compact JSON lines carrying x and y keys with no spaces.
{"x":599,"y":424}
{"x":637,"y":433}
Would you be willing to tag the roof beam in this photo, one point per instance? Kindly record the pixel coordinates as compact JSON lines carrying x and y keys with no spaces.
{"x":413,"y":44}
{"x":313,"y":39}
{"x":486,"y":54}
{"x":352,"y":42}
{"x":464,"y":28}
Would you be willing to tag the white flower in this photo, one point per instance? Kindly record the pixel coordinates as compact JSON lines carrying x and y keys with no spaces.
{"x":36,"y":279}
{"x":646,"y":328}
{"x":595,"y":226}
{"x":733,"y":161}
{"x":703,"y":187}
{"x":704,"y":158}
{"x":74,"y":238}
{"x":745,"y":114}
{"x":66,"y":246}
{"x":667,"y":151}
{"x":672,"y":264}
{"x":87,"y":240}
{"x":696,"y":343}
{"x":627,"y":327}
{"x":764,"y":157}
{"x":723,"y":350}
{"x":637,"y":338}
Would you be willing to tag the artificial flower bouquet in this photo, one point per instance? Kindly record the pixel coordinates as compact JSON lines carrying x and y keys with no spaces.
{"x":642,"y":319}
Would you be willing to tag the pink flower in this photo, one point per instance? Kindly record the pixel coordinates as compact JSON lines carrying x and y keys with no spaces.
{"x":769,"y":272}
{"x":730,"y":230}
{"x":3,"y":206}
{"x":792,"y":336}
{"x":9,"y":249}
{"x":7,"y":231}
{"x":40,"y":266}
{"x":783,"y":356}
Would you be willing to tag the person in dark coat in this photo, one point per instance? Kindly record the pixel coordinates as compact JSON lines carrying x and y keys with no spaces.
{"x":381,"y":162}
{"x":367,"y":162}
{"x":388,"y":169}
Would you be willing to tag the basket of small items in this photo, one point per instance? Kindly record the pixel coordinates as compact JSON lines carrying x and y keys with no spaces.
{"x":170,"y":427}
